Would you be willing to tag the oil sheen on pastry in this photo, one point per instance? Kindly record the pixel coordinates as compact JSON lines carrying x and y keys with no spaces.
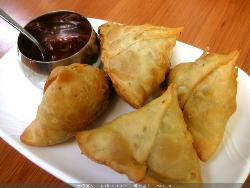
{"x":136,"y":58}
{"x":151,"y":144}
{"x":74,"y":96}
{"x":207,"y":94}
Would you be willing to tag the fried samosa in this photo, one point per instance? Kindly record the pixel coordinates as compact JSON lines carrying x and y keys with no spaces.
{"x":207,"y":94}
{"x":73,"y":98}
{"x":150,"y":144}
{"x":136,"y":58}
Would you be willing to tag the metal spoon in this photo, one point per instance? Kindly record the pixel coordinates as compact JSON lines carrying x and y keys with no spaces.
{"x":13,"y":23}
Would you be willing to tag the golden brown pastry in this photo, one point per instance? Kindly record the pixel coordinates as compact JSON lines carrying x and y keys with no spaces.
{"x":136,"y":58}
{"x":207,"y":94}
{"x":151,"y":144}
{"x":74,"y":96}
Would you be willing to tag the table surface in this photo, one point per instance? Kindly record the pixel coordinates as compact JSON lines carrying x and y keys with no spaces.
{"x":221,"y":25}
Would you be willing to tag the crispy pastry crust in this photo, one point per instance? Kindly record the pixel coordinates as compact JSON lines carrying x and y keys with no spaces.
{"x":149,"y":145}
{"x":73,"y":98}
{"x":207,"y":94}
{"x":136,"y":58}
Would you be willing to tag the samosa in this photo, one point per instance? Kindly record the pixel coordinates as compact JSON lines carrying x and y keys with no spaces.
{"x":207,"y":94}
{"x":136,"y":58}
{"x":149,"y":144}
{"x":73,"y":98}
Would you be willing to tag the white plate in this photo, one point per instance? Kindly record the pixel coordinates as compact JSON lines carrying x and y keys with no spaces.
{"x":19,"y":100}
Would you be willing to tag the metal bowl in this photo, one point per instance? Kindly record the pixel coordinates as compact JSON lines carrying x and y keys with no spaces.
{"x":60,"y":25}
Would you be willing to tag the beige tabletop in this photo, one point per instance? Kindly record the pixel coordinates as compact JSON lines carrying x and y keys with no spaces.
{"x":221,"y":25}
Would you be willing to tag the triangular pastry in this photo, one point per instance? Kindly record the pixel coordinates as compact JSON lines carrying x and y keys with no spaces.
{"x":149,"y":144}
{"x":73,"y":98}
{"x":207,"y":94}
{"x":136,"y":58}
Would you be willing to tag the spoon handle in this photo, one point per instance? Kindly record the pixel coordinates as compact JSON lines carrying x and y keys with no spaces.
{"x":12,"y":22}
